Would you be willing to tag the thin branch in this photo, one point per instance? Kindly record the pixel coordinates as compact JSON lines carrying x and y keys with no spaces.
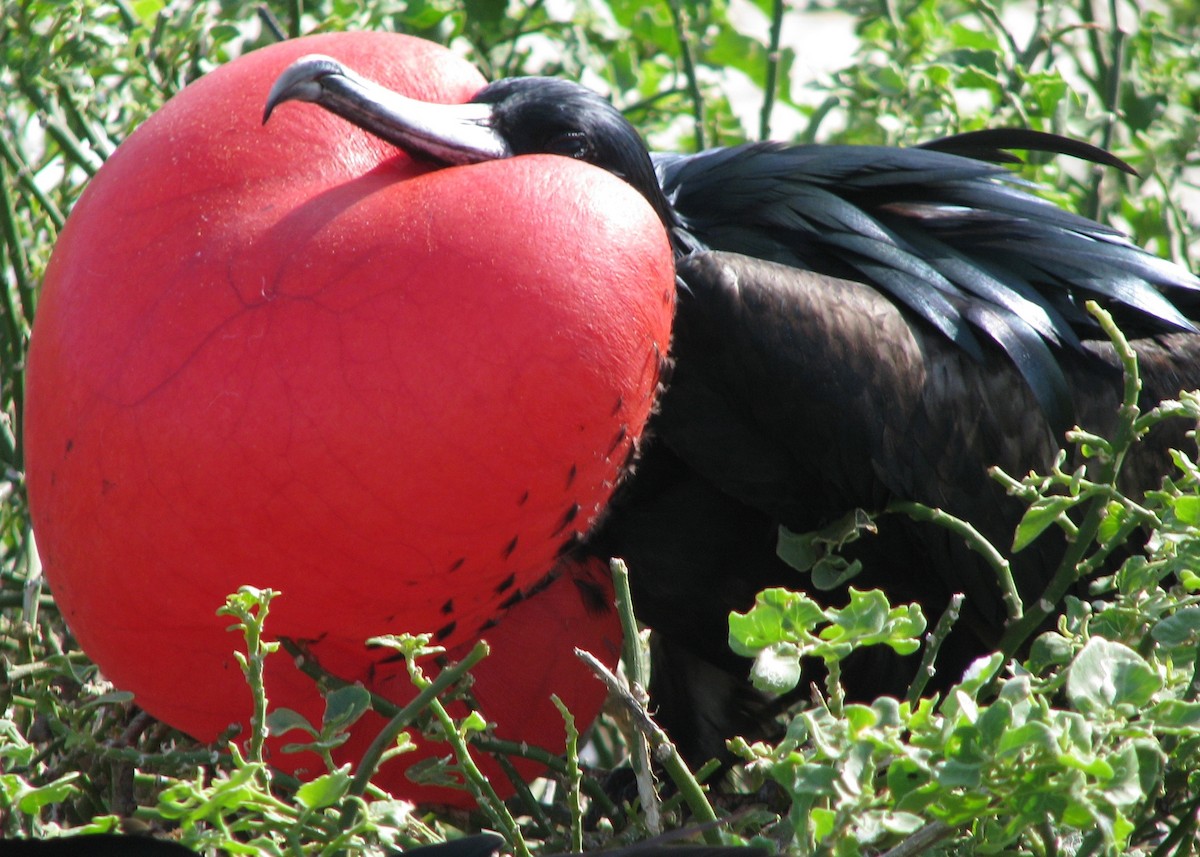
{"x":428,"y":694}
{"x":509,"y":66}
{"x":922,"y":840}
{"x":1068,"y":570}
{"x":271,"y":23}
{"x":662,"y":748}
{"x":772,"y":80}
{"x":24,"y":175}
{"x":689,"y":70}
{"x":976,"y":541}
{"x":933,"y":643}
{"x":295,"y":13}
{"x":636,"y":674}
{"x":574,"y":775}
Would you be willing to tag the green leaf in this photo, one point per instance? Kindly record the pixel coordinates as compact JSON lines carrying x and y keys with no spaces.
{"x":487,"y":12}
{"x":1123,"y":786}
{"x":1175,"y":715}
{"x":888,"y":712}
{"x":777,"y":668}
{"x":473,"y":722}
{"x":114,"y":697}
{"x":1034,"y":735}
{"x":979,"y":673}
{"x":865,"y":615}
{"x":1151,"y":761}
{"x":806,"y":551}
{"x":147,"y":10}
{"x":994,"y":721}
{"x":968,"y":37}
{"x":1105,"y":675}
{"x":731,"y":49}
{"x":31,"y":799}
{"x":955,"y":774}
{"x":1042,"y":513}
{"x":902,"y":823}
{"x":1180,"y":628}
{"x":1114,"y":515}
{"x":824,"y":821}
{"x":345,"y":705}
{"x":283,"y":720}
{"x":1093,"y":766}
{"x":807,"y":779}
{"x":833,"y":571}
{"x":437,"y":772}
{"x":1187,"y":509}
{"x":325,"y":790}
{"x":905,"y":776}
{"x":859,"y":717}
{"x":1047,"y":89}
{"x":778,"y":615}
{"x":799,"y":550}
{"x":976,"y":76}
{"x":1049,"y":650}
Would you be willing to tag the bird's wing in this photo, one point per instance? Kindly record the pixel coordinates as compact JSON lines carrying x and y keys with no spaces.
{"x":788,"y":381}
{"x":804,"y":396}
{"x":996,"y":145}
{"x":958,"y":241}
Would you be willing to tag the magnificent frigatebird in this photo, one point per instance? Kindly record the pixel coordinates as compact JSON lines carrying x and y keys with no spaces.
{"x":855,"y":326}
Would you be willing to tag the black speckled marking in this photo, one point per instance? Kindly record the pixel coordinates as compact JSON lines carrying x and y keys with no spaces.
{"x":70,"y":444}
{"x":458,"y":563}
{"x":510,"y":547}
{"x":445,"y":631}
{"x":568,"y":518}
{"x":593,"y":596}
{"x":524,"y":499}
{"x":569,"y":545}
{"x":515,"y":598}
{"x":489,"y":625}
{"x":506,"y":584}
{"x":617,"y":407}
{"x":571,"y":474}
{"x":448,"y":607}
{"x":618,"y":439}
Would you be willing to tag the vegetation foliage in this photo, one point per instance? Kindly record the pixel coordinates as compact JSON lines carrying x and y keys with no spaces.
{"x":1087,"y":744}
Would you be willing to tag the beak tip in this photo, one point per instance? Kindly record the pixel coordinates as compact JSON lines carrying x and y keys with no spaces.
{"x":302,"y":81}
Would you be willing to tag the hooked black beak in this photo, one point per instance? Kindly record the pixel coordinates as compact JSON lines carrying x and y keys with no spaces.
{"x":445,"y":133}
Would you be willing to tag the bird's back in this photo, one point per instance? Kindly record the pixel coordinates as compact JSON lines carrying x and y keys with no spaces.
{"x":960,"y":242}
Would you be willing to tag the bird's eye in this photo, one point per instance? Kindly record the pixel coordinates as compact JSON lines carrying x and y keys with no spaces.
{"x":570,"y":144}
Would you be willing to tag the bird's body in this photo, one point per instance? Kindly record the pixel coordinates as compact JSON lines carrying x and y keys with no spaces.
{"x":855,"y":326}
{"x":907,"y":416}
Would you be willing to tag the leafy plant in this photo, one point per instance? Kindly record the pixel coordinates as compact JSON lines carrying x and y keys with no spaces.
{"x":1077,"y":744}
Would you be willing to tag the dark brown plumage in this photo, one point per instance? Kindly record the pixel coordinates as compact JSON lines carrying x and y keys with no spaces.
{"x":797,"y":398}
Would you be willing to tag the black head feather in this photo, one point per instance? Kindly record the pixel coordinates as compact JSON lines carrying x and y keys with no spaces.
{"x":545,"y":115}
